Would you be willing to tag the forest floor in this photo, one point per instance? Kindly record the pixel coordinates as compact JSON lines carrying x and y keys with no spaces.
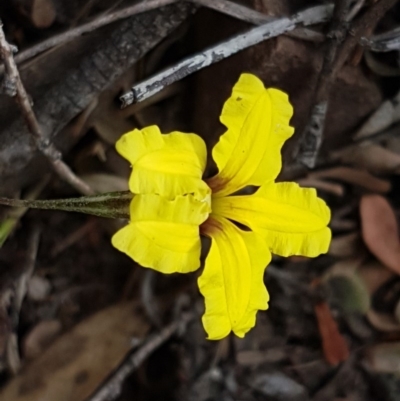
{"x":80,"y":321}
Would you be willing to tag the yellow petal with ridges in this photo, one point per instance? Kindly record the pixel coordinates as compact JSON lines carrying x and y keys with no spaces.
{"x":165,"y":164}
{"x":292,"y":220}
{"x":232,"y":281}
{"x":249,"y":152}
{"x":163,"y":234}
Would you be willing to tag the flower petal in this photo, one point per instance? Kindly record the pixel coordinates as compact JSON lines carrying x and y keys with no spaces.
{"x":291,"y":219}
{"x":249,"y":152}
{"x":168,"y":165}
{"x":163,"y":234}
{"x":232,"y":281}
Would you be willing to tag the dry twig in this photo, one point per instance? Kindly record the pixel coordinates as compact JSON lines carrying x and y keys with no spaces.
{"x":355,"y":10}
{"x":44,"y":145}
{"x":385,"y":42}
{"x":336,"y":55}
{"x":249,"y":15}
{"x":312,"y":137}
{"x":20,"y":289}
{"x":111,"y":389}
{"x":223,"y":50}
{"x":361,"y":27}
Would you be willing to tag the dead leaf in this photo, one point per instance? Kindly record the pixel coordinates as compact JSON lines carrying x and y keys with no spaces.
{"x":333,"y":343}
{"x":346,"y":287}
{"x":38,"y":288}
{"x":102,"y":183}
{"x":369,"y":156}
{"x":40,"y":337}
{"x":374,"y":275}
{"x":380,"y":68}
{"x":251,"y":358}
{"x":43,"y":13}
{"x":383,"y":322}
{"x":330,"y":187}
{"x":345,"y":246}
{"x":74,"y":366}
{"x":338,"y":224}
{"x":397,"y":311}
{"x":380,"y":231}
{"x":354,"y":176}
{"x":386,"y":115}
{"x":383,"y":358}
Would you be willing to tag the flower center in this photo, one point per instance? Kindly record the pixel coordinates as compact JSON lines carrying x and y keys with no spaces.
{"x":216,"y":183}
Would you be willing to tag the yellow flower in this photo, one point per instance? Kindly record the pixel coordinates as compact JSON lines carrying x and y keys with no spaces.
{"x":173,"y":205}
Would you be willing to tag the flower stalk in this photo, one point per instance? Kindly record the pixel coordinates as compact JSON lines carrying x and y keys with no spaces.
{"x":114,"y":205}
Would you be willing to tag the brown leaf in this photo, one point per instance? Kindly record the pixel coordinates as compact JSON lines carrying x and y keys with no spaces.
{"x":75,"y":364}
{"x":345,"y":246}
{"x":383,"y":322}
{"x":354,"y":176}
{"x":370,"y":156}
{"x":374,"y":275}
{"x":39,"y":338}
{"x":43,"y":13}
{"x":384,"y":358}
{"x":380,"y":231}
{"x":384,"y":116}
{"x":311,"y":182}
{"x":333,"y":344}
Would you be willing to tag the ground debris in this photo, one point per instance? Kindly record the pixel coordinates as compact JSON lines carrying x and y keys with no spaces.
{"x":90,"y":324}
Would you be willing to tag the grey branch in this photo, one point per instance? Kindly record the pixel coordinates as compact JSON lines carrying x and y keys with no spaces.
{"x":313,"y":15}
{"x":312,"y":136}
{"x":336,"y":54}
{"x":111,"y":389}
{"x":255,"y":17}
{"x":20,"y":289}
{"x":385,"y":42}
{"x":23,"y":101}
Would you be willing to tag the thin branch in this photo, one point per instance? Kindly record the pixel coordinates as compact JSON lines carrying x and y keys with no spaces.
{"x":355,"y":10}
{"x":43,"y":144}
{"x":91,"y":26}
{"x":111,"y":389}
{"x":145,"y":89}
{"x":21,"y":286}
{"x":385,"y":42}
{"x":312,"y":137}
{"x":336,"y":55}
{"x":361,"y":27}
{"x":254,"y":17}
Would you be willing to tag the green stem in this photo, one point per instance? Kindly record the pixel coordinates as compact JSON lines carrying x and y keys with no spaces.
{"x":114,"y":205}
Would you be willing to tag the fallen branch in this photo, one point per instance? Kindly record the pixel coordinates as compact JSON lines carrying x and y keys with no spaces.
{"x":355,"y":10}
{"x":145,"y":89}
{"x":336,"y":56}
{"x":255,"y":17}
{"x":20,"y":287}
{"x":361,"y":27}
{"x":385,"y":42}
{"x":18,"y":91}
{"x":111,"y":389}
{"x":312,"y":136}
